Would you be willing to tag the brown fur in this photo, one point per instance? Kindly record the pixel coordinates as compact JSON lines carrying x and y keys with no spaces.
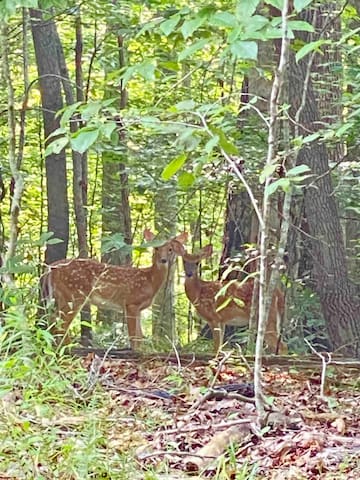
{"x":232,"y":306}
{"x":73,"y":283}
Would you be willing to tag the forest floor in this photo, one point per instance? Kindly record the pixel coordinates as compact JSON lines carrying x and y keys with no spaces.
{"x":200,"y":417}
{"x":174,"y":418}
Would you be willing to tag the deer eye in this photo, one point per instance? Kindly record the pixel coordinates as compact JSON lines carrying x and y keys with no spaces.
{"x":170,"y":249}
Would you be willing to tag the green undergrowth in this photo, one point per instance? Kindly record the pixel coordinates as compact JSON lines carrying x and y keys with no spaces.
{"x":54,"y":422}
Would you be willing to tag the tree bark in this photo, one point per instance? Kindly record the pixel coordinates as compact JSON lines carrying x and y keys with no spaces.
{"x":163,"y":327}
{"x":45,"y":44}
{"x":338,"y":296}
{"x":116,"y":216}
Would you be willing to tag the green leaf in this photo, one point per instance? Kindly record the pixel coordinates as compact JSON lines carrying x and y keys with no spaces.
{"x":54,"y":241}
{"x":311,"y":138}
{"x":298,"y":170}
{"x":186,"y":105}
{"x":224,"y":304}
{"x":56,"y":146}
{"x":68,"y":113}
{"x":246,"y":9}
{"x":343,"y":129}
{"x":223,"y":19}
{"x":267,"y":172}
{"x":299,"y":25}
{"x":192,"y":49}
{"x":224,"y":143}
{"x":212,"y":143}
{"x":84,"y":139}
{"x":90,"y":110}
{"x":301,"y":4}
{"x":173,"y":166}
{"x":168,"y":26}
{"x":147,"y":70}
{"x":244,"y":49}
{"x":189,"y":26}
{"x":108,"y":128}
{"x":186,"y":180}
{"x":255,"y":23}
{"x":276,"y":3}
{"x":309,"y":47}
{"x":114,"y":242}
{"x":127,"y":74}
{"x":283,"y":183}
{"x":57,"y":132}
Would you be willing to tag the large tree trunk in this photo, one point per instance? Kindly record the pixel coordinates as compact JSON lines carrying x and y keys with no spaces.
{"x":45,"y":44}
{"x":338,"y":297}
{"x":80,"y":179}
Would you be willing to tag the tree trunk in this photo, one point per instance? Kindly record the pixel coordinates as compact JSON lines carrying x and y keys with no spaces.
{"x":116,"y":216}
{"x":45,"y":44}
{"x":163,"y":326}
{"x":338,"y":297}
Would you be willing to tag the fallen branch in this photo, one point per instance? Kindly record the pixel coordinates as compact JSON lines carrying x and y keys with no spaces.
{"x":217,"y":445}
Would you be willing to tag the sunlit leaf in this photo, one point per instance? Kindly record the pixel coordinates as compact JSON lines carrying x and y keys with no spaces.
{"x":267,"y":172}
{"x":186,"y":179}
{"x":173,"y":166}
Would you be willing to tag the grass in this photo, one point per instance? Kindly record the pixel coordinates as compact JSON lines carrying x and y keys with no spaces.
{"x":51,"y":425}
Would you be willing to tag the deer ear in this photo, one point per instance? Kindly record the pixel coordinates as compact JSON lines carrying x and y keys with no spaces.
{"x":148,"y":235}
{"x":178,"y":247}
{"x":182,"y":237}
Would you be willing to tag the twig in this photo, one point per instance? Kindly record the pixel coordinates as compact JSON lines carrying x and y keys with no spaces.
{"x":218,"y":370}
{"x":326,"y":360}
{"x":177,"y":356}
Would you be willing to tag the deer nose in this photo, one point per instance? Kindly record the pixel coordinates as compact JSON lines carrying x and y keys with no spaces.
{"x":163,"y":260}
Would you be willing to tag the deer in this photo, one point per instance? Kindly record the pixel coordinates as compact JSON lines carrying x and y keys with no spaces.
{"x":228,"y":302}
{"x":71,"y":284}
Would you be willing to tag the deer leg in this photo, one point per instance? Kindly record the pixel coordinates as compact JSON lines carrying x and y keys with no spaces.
{"x":134,"y":326}
{"x":272,"y":336}
{"x":60,"y":322}
{"x":218,"y":335}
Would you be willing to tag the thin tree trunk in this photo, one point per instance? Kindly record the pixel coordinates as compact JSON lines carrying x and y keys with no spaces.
{"x":116,"y":216}
{"x":163,"y":310}
{"x":17,"y":178}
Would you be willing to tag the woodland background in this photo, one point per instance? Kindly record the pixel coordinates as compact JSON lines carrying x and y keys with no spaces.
{"x":123,"y":115}
{"x":236,"y":121}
